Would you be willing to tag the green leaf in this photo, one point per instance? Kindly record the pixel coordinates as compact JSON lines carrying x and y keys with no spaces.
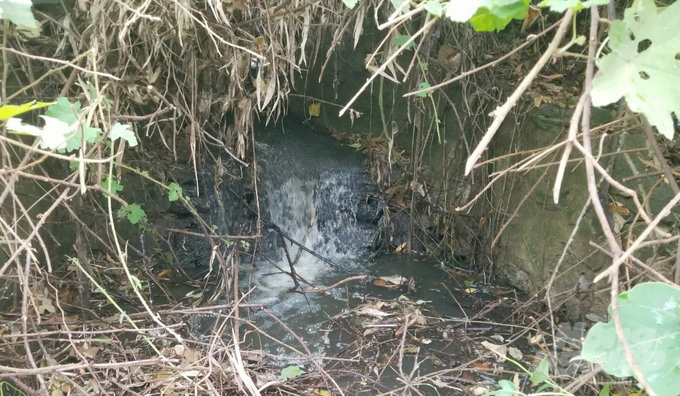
{"x":111,"y":185}
{"x":18,"y":11}
{"x":643,"y":66}
{"x":507,"y":389}
{"x":401,"y":40}
{"x":53,"y":135}
{"x":424,"y":66}
{"x":487,"y":15}
{"x":174,"y":192}
{"x":136,"y":283}
{"x":94,"y":94}
{"x":650,"y":318}
{"x":434,"y":7}
{"x":421,"y":86}
{"x":133,"y":212}
{"x":542,"y":372}
{"x":290,"y":372}
{"x":605,"y":390}
{"x":122,"y":131}
{"x":350,"y":3}
{"x":64,"y":111}
{"x":9,"y":111}
{"x":397,"y":4}
{"x":563,"y":5}
{"x":70,"y":114}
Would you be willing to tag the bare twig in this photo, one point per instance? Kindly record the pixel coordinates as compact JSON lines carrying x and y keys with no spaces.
{"x":501,"y":112}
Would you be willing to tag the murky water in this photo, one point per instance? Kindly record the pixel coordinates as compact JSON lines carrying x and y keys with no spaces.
{"x":317,"y":192}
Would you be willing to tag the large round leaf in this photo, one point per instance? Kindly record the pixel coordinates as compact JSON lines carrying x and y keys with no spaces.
{"x":650,"y":317}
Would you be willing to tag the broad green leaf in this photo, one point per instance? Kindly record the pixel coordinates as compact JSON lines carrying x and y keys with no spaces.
{"x":174,"y":191}
{"x":133,"y":212}
{"x":434,"y":7}
{"x":18,"y":11}
{"x":350,"y":3}
{"x":122,"y":131}
{"x":111,"y":185}
{"x":70,"y":113}
{"x":487,"y":15}
{"x":290,"y":372}
{"x":563,"y":5}
{"x":9,"y":111}
{"x":643,"y":66}
{"x":650,"y":317}
{"x":421,"y":86}
{"x":401,"y":40}
{"x":84,"y":132}
{"x":65,"y":111}
{"x":542,"y":372}
{"x":53,"y":135}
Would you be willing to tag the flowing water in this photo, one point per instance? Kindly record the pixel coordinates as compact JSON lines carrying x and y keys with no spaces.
{"x":317,"y":193}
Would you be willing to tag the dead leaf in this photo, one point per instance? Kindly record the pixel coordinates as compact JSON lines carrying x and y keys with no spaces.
{"x":419,"y":318}
{"x":88,"y":350}
{"x":371,"y":330}
{"x":515,"y":353}
{"x":417,"y":188}
{"x":231,"y":6}
{"x":479,"y":390}
{"x":552,"y":76}
{"x":449,"y":57}
{"x":500,"y":351}
{"x":392,"y":281}
{"x":368,"y":311}
{"x":315,"y":109}
{"x":532,"y":14}
{"x":439,"y":383}
{"x":619,"y":221}
{"x":617,"y":207}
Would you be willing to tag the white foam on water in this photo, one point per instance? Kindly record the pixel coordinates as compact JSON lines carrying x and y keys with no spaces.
{"x":292,"y":206}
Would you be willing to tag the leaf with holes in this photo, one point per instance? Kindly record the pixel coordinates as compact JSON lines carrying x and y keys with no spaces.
{"x":650,"y":318}
{"x":133,"y":212}
{"x":563,"y":5}
{"x":644,"y":64}
{"x":487,"y":15}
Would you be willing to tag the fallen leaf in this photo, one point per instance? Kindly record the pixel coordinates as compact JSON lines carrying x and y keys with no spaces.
{"x":532,"y":14}
{"x":515,"y":353}
{"x":500,"y":351}
{"x":315,"y":109}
